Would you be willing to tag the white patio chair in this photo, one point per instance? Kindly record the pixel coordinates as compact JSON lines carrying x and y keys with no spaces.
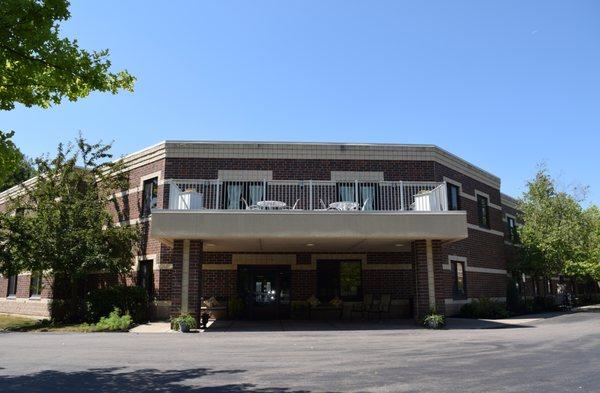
{"x":364,"y":204}
{"x":323,"y":204}
{"x":296,"y":204}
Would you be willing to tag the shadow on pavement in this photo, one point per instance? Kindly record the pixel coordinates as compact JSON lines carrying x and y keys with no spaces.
{"x":116,"y":379}
{"x":288,"y":325}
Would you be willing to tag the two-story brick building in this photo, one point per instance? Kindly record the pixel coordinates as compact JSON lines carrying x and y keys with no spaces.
{"x":274,"y":223}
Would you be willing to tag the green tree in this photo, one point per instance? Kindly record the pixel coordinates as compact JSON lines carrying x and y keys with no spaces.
{"x":557,"y":235}
{"x":38,"y":67}
{"x":14,"y":167}
{"x":62,"y":226}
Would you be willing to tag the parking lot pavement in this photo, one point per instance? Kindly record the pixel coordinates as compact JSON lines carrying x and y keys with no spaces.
{"x":555,"y":354}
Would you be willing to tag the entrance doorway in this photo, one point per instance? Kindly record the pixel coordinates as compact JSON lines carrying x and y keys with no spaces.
{"x":265,"y":290}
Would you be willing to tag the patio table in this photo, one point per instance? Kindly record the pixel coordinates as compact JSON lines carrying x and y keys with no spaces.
{"x":344,"y":206}
{"x":271,"y":205}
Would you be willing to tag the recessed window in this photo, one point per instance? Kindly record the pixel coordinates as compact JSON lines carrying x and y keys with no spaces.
{"x":242,"y":194}
{"x":12,"y":286}
{"x":511,"y":228}
{"x":150,"y":196}
{"x":145,"y":277}
{"x":483,"y":211}
{"x":460,"y":288}
{"x":35,"y":285}
{"x":453,"y":197}
{"x":341,"y":279}
{"x":367,"y":196}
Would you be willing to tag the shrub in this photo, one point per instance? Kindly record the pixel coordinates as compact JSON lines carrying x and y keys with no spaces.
{"x":189,"y":320}
{"x":131,"y":300}
{"x":63,"y":311}
{"x":433,"y":320}
{"x":541,"y":303}
{"x":513,"y":297}
{"x":114,"y":322}
{"x":484,"y":308}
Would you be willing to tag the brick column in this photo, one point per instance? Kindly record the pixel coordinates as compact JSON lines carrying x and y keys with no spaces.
{"x":176,"y":276}
{"x":195,"y":272}
{"x":428,"y":277}
{"x":185,"y":289}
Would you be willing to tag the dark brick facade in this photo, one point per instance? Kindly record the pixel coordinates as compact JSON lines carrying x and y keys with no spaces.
{"x":483,"y":249}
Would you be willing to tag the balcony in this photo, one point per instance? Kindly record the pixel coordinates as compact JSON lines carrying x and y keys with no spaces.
{"x":306,"y":195}
{"x":307,"y":215}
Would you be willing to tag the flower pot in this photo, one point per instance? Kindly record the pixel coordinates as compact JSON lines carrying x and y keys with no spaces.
{"x":432,"y":324}
{"x":183,"y":327}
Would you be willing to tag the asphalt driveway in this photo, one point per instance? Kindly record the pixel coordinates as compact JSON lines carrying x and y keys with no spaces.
{"x":557,"y":354}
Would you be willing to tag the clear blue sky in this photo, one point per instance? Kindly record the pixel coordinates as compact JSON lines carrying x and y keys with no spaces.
{"x":503,"y":84}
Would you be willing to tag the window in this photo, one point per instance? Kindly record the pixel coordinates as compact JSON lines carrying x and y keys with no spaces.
{"x":460,"y":288}
{"x":368,"y":194}
{"x":12,"y":286}
{"x":150,"y":196}
{"x":453,"y":197}
{"x":483,"y":211}
{"x":241,"y":194}
{"x":511,"y":228}
{"x":35,"y":285}
{"x":350,"y":279}
{"x":339,"y":278}
{"x":145,"y":277}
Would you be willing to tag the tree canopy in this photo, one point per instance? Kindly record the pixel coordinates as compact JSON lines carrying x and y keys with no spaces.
{"x":14,"y":167}
{"x":559,"y":236}
{"x":39,"y":67}
{"x":62,"y":225}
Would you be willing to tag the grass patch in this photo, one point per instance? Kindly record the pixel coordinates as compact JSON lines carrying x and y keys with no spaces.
{"x":13,"y":322}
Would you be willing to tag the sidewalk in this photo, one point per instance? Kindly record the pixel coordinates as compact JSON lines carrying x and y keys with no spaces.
{"x":590,"y":308}
{"x":522,"y":321}
{"x":152,"y":327}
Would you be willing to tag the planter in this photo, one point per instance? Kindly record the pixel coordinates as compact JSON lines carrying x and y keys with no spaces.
{"x":183,"y":327}
{"x":432,"y":324}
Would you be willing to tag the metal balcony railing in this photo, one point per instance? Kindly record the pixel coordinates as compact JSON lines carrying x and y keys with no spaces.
{"x":311,"y":195}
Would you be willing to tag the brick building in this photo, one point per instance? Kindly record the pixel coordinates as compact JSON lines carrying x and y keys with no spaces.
{"x":278,"y":223}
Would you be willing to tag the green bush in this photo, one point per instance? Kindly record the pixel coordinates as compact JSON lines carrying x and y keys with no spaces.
{"x":114,"y":322}
{"x":236,"y":307}
{"x":131,"y":300}
{"x":484,"y":308}
{"x":64,"y":311}
{"x":189,"y":320}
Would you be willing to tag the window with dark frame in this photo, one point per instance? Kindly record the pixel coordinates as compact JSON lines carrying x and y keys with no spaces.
{"x":342,"y":279}
{"x":12,"y":286}
{"x":145,"y":277}
{"x":483,"y":211}
{"x":511,"y":228}
{"x":149,"y":196}
{"x":35,"y":285}
{"x":453,"y":197}
{"x":460,"y":287}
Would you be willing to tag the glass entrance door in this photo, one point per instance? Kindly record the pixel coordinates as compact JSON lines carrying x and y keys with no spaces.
{"x":265,"y":290}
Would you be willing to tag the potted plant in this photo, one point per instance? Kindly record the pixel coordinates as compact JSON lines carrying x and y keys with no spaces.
{"x":183,"y":323}
{"x":433,"y":320}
